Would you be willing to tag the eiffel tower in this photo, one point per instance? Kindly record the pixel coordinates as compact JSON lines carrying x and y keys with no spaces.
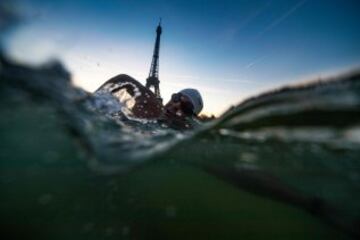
{"x":153,"y":79}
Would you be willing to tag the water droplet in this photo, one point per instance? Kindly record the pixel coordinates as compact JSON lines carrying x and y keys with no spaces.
{"x":224,"y":131}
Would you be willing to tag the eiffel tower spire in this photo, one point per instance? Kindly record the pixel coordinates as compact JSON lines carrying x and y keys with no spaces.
{"x":153,"y":79}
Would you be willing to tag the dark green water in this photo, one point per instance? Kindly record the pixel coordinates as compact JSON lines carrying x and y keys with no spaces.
{"x":284,"y":165}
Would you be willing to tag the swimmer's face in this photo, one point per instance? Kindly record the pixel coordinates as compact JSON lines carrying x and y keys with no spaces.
{"x":178,"y":106}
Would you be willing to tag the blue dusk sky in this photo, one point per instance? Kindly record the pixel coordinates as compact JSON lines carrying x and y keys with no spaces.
{"x":228,"y":50}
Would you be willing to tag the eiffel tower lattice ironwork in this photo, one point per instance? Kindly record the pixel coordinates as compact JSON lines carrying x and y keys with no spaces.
{"x":153,"y":79}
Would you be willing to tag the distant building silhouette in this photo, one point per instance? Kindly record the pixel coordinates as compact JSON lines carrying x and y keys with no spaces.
{"x":153,"y":79}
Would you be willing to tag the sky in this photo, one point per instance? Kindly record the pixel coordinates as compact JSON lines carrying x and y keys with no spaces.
{"x":229,"y":50}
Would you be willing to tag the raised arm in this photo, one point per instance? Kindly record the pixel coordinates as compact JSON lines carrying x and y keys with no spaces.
{"x":146,"y":104}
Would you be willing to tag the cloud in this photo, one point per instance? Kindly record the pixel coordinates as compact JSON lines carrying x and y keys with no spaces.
{"x":187,"y":79}
{"x":202,"y":87}
{"x":180,"y":77}
{"x":283,"y":17}
{"x":255,"y":61}
{"x":229,"y":33}
{"x":253,"y":16}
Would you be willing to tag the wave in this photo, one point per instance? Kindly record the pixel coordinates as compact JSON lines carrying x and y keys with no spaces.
{"x":299,"y":145}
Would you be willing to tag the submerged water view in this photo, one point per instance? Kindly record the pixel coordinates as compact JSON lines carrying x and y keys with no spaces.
{"x":283,"y":164}
{"x":273,"y":166}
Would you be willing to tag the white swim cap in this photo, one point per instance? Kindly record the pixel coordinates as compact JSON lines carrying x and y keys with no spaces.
{"x":195,"y":98}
